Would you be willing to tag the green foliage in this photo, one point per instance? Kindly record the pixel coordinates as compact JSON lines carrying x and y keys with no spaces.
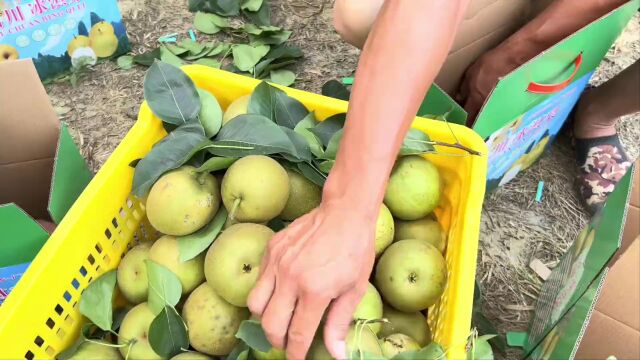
{"x":170,"y":153}
{"x":282,"y":77}
{"x":125,"y":62}
{"x":95,"y":302}
{"x":251,"y":333}
{"x":245,"y":57}
{"x":276,"y":105}
{"x":190,"y":246}
{"x":168,"y":333}
{"x":171,"y":94}
{"x":165,"y":288}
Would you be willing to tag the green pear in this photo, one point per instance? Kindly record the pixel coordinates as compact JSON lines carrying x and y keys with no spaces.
{"x":360,"y":340}
{"x":132,"y":274}
{"x":385,"y":229}
{"x":413,"y":324}
{"x":93,"y":350}
{"x":232,"y":264}
{"x":212,"y":322}
{"x":370,"y":308}
{"x":191,"y":272}
{"x":239,"y":106}
{"x":255,"y":189}
{"x":411,"y":275}
{"x":135,"y":326}
{"x":191,"y":355}
{"x":426,"y":229}
{"x":304,"y":196}
{"x":395,"y":344}
{"x":414,"y":188}
{"x":182,"y":201}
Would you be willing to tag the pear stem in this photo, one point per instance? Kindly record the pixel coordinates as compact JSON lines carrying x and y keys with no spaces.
{"x":234,"y":208}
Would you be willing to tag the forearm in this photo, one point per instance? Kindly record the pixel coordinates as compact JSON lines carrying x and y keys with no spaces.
{"x":559,"y":20}
{"x":401,"y":58}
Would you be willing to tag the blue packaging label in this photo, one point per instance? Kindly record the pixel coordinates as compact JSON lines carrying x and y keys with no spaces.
{"x":9,"y":277}
{"x":59,"y":33}
{"x":520,"y":143}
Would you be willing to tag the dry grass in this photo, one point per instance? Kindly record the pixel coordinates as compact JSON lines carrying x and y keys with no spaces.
{"x":515,"y":228}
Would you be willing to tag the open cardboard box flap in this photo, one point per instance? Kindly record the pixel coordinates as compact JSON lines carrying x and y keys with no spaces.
{"x":41,"y":170}
{"x":614,"y":326}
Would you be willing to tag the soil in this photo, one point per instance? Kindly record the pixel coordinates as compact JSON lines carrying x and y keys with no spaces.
{"x":515,"y":229}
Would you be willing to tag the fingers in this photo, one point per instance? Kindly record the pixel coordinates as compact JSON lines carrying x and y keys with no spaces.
{"x":339,"y":319}
{"x":262,"y":291}
{"x":278,"y":313}
{"x":304,"y":324}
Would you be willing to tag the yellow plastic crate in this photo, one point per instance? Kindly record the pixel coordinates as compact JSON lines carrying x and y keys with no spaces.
{"x":41,"y":316}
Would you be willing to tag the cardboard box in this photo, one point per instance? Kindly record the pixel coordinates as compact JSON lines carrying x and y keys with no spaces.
{"x":41,"y":170}
{"x":60,"y":33}
{"x":601,"y":264}
{"x":614,"y":326}
{"x":485,"y":25}
{"x":528,"y":107}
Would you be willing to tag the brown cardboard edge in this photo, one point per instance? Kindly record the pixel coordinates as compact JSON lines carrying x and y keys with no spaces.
{"x":592,"y":308}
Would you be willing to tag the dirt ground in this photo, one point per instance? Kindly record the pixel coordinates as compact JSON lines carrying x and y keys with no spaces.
{"x":515,"y":228}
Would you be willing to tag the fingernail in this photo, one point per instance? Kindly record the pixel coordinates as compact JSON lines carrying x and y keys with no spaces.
{"x":341,"y":348}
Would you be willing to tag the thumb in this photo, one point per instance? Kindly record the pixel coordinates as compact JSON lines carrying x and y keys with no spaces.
{"x":339,"y":319}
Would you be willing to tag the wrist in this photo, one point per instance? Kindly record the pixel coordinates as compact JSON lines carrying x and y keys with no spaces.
{"x":357,"y":190}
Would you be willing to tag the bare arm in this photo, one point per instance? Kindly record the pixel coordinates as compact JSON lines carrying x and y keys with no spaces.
{"x":323,"y":260}
{"x":559,"y":20}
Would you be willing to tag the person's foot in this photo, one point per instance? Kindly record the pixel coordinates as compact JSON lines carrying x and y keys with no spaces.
{"x":602,"y":163}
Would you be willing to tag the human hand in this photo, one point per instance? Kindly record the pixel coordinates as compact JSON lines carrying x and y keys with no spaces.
{"x":321,"y":261}
{"x":483,"y":75}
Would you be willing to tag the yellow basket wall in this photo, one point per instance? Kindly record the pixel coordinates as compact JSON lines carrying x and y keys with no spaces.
{"x":41,"y":317}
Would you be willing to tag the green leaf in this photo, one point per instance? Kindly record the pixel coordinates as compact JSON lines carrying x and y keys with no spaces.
{"x":168,"y":57}
{"x":216,"y":164}
{"x":276,"y":105}
{"x":168,"y":333}
{"x":219,"y":49}
{"x":264,"y":67}
{"x":251,"y":5}
{"x":252,"y":29}
{"x":335,"y":89}
{"x":211,"y":114}
{"x":334,"y":144}
{"x":262,"y":16}
{"x":416,"y":142}
{"x":170,"y":153}
{"x":193,"y":47}
{"x":148,"y":58}
{"x":480,"y":349}
{"x":171,"y":94}
{"x":325,"y":129}
{"x":220,"y":7}
{"x":433,"y":351}
{"x":125,"y":62}
{"x":312,"y":173}
{"x":270,"y":38}
{"x":251,"y":333}
{"x":326,"y":166}
{"x":283,"y":77}
{"x":175,"y":49}
{"x":190,"y":246}
{"x":164,"y":287}
{"x":284,"y":52}
{"x":95,"y":302}
{"x":245,"y":57}
{"x":251,"y":134}
{"x":208,"y":62}
{"x":238,"y":351}
{"x":204,"y":24}
{"x":303,"y":127}
{"x":303,"y":153}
